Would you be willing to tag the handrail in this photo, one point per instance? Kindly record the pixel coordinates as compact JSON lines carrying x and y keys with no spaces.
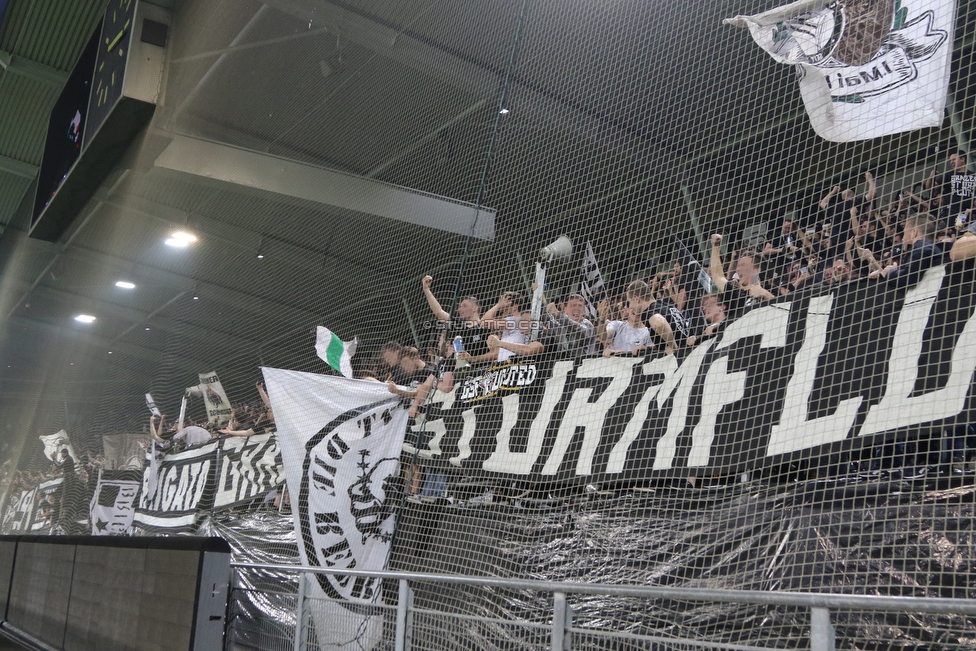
{"x":940,"y":605}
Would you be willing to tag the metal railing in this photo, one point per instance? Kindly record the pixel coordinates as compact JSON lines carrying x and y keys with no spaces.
{"x":560,"y":629}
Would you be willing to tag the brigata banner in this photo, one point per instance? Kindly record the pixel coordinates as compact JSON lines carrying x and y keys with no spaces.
{"x":175,"y":494}
{"x":804,"y":377}
{"x":179,"y":489}
{"x":113,"y":505}
{"x":249,"y":466}
{"x":340,"y":442}
{"x":866,"y":69}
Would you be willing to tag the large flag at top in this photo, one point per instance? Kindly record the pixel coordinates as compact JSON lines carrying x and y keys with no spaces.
{"x":866,"y":68}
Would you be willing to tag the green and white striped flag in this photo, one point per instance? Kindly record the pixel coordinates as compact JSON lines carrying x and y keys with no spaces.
{"x":334,"y":351}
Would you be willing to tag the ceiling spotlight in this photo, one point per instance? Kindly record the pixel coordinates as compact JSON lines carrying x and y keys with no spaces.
{"x":504,"y":111}
{"x":147,"y":329}
{"x":260,"y":256}
{"x":85,"y":318}
{"x":196,"y":298}
{"x":110,"y":352}
{"x":181,"y":239}
{"x":125,"y":284}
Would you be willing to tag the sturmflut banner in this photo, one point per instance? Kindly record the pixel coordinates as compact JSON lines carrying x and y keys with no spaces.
{"x":866,"y":69}
{"x":341,"y":442}
{"x":803,"y":378}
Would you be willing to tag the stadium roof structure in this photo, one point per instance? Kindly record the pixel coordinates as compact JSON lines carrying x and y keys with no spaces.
{"x":277,"y":112}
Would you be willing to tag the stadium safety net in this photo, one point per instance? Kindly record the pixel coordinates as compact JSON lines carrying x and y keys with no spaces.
{"x":639,"y":293}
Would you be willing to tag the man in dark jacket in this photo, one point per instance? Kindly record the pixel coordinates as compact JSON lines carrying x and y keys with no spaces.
{"x":920,"y":253}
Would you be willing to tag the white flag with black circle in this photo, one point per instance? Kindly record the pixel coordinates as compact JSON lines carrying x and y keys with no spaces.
{"x":340,"y":444}
{"x":866,"y":69}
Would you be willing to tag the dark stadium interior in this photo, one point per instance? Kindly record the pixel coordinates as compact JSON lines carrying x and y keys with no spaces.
{"x":639,"y":128}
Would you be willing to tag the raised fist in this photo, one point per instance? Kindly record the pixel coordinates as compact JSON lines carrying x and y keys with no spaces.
{"x":426,"y":281}
{"x":716,"y":239}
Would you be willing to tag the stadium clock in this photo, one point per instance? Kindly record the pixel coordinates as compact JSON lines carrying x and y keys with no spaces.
{"x":113,"y":54}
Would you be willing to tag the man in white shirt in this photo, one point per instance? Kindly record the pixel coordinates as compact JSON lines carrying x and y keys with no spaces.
{"x":506,"y":316}
{"x":625,"y":335}
{"x":192,"y":435}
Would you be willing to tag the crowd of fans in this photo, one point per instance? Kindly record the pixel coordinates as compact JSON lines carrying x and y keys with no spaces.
{"x":64,"y":508}
{"x":892,"y":241}
{"x":246,"y":420}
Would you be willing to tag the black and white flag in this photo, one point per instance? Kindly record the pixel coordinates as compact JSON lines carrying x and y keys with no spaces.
{"x":340,"y":443}
{"x":866,"y":69}
{"x":215,"y":399}
{"x":113,"y":506}
{"x":20,"y":510}
{"x":704,"y":278}
{"x":153,"y":409}
{"x":591,"y":287}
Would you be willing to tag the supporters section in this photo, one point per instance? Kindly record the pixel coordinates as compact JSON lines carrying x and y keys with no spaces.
{"x":648,"y":293}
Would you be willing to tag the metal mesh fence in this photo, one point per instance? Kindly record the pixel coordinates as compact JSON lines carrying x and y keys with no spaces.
{"x":664,"y":301}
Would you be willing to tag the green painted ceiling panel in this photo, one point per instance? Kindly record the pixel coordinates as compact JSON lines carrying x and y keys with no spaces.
{"x":50,"y":32}
{"x":24,"y":109}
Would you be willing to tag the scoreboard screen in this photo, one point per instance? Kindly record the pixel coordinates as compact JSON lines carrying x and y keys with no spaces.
{"x":66,"y":127}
